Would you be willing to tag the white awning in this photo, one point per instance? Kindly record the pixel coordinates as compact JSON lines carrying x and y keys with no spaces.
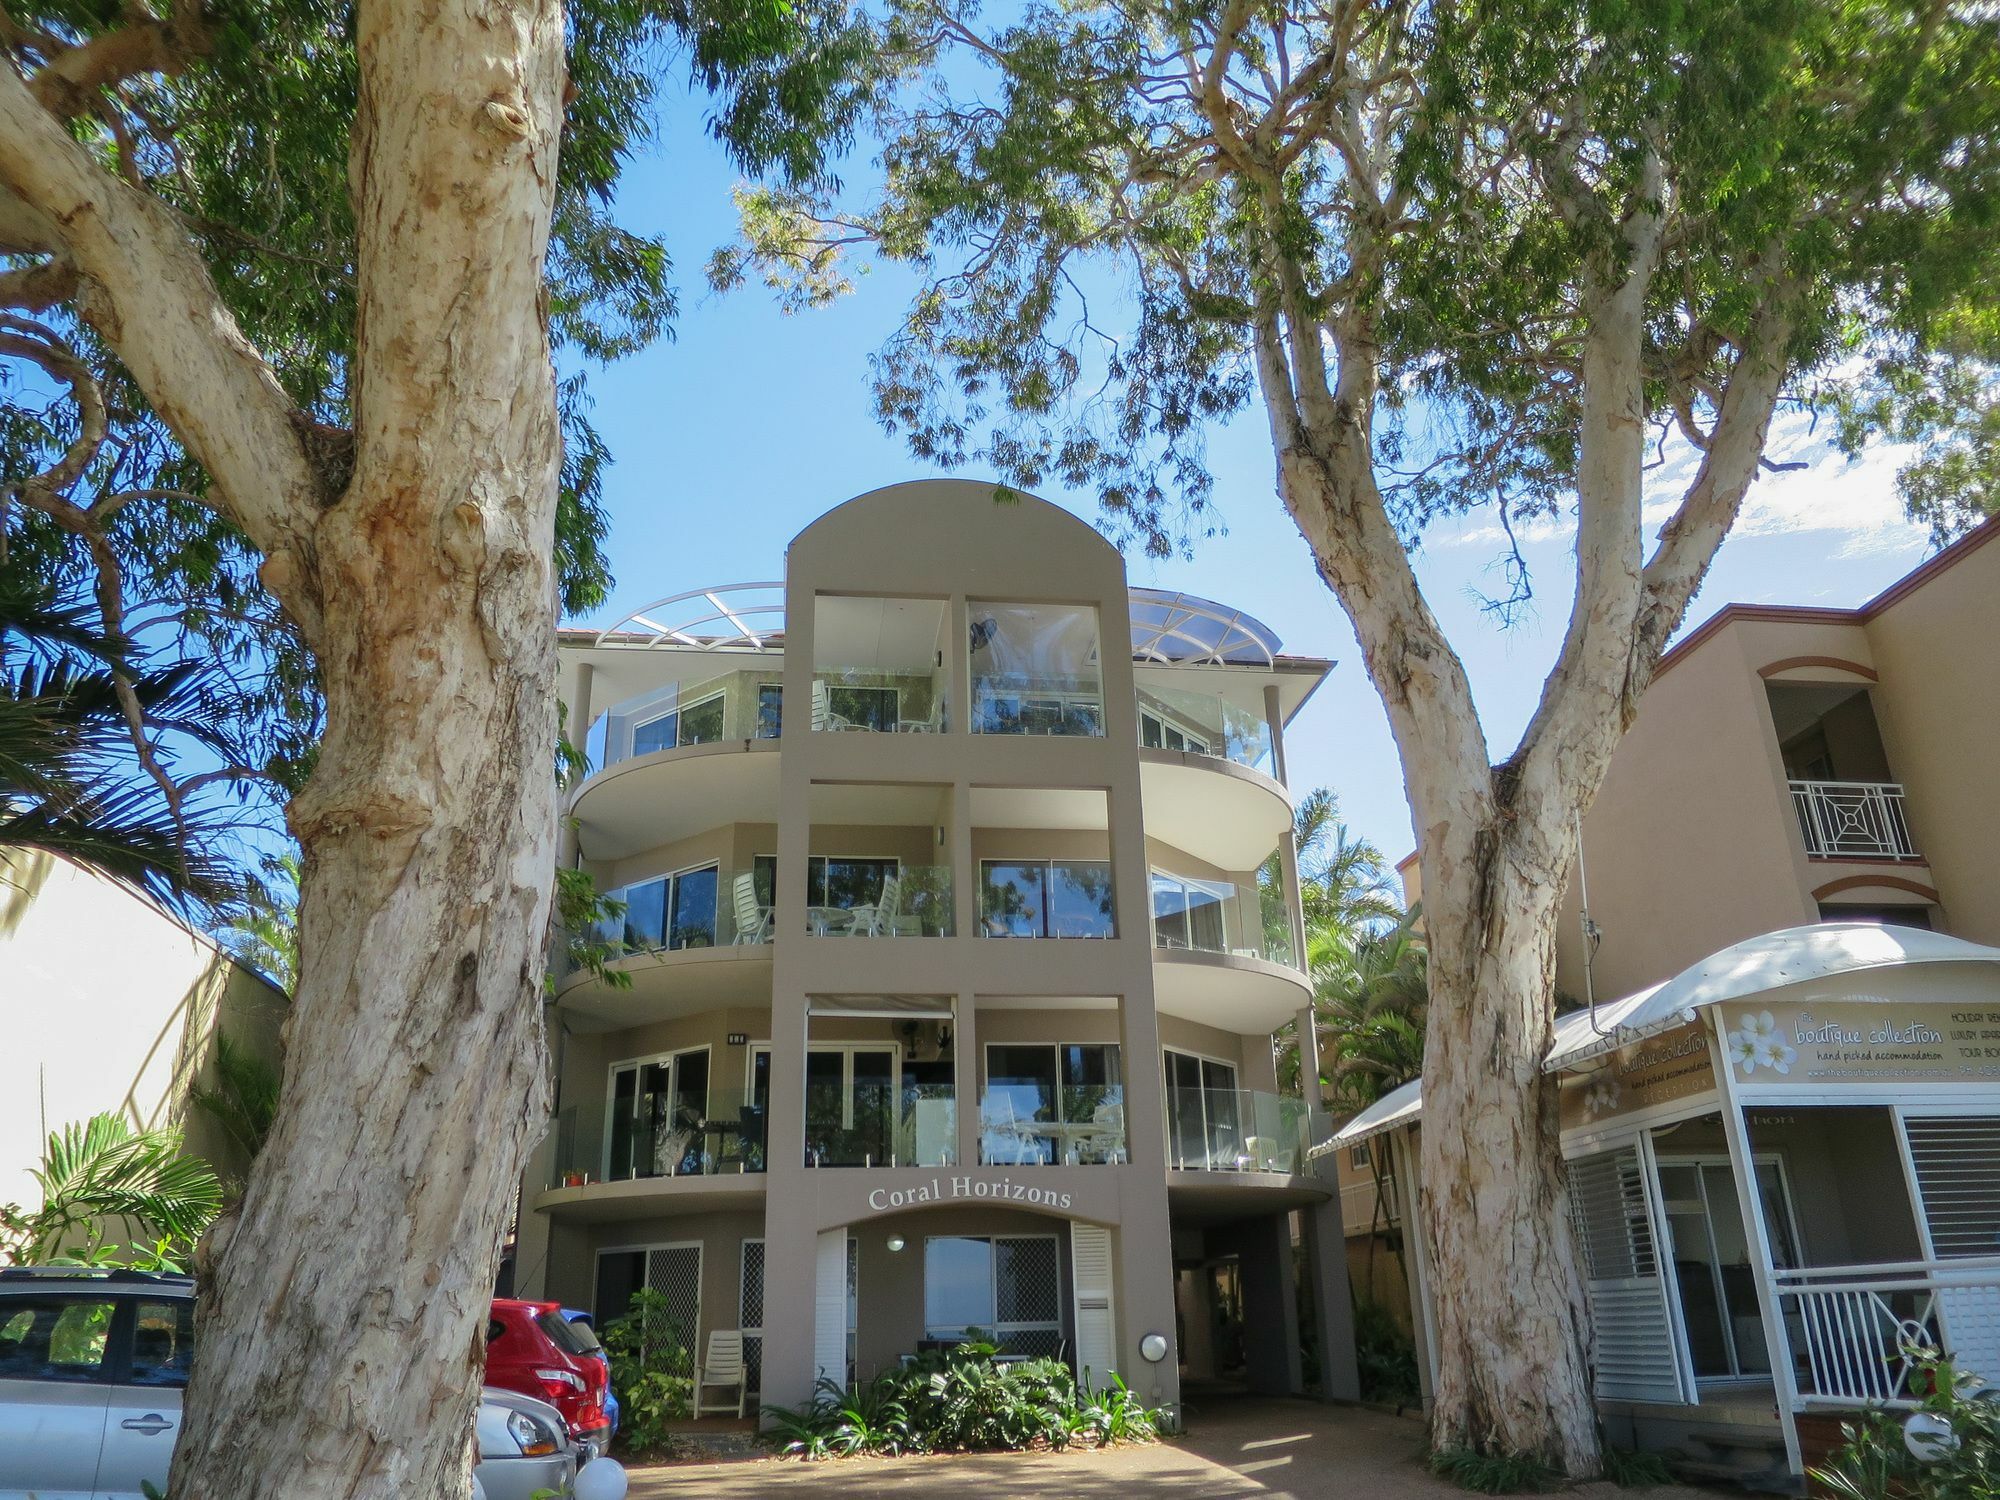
{"x":1755,"y":966}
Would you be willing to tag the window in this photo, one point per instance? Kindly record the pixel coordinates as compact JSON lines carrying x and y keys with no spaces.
{"x":163,"y":1342}
{"x":1047,"y":898}
{"x":1156,"y":733}
{"x":698,"y":723}
{"x":850,"y":1105}
{"x":54,"y":1338}
{"x":875,"y":708}
{"x":658,"y":1108}
{"x":1202,"y":1123}
{"x":1047,"y":1102}
{"x":1035,"y":669}
{"x":1187,"y":913}
{"x":770,"y":711}
{"x":835,"y":881}
{"x":1360,"y":1156}
{"x":675,"y":911}
{"x":1006,"y":1286}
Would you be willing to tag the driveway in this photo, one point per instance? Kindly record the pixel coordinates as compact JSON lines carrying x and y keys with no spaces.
{"x":1235,"y":1447}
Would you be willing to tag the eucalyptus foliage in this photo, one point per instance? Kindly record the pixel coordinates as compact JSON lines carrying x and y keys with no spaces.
{"x":1072,"y":184}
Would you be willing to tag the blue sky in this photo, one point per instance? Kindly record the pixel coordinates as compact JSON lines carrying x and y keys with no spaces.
{"x":732,"y":437}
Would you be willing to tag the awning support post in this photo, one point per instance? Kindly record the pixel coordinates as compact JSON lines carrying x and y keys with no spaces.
{"x":1750,"y":1199}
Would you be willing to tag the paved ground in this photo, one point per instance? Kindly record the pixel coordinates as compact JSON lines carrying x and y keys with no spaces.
{"x":1236,"y":1447}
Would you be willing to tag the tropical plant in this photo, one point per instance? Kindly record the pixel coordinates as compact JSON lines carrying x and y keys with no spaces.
{"x":76,"y":714}
{"x":265,"y":935}
{"x":960,"y":1400}
{"x":1371,"y":995}
{"x":243,"y":1099}
{"x":102,"y":1177}
{"x":1494,"y":1473}
{"x":652,"y":1370}
{"x":1963,"y":1457}
{"x":1385,"y":1356}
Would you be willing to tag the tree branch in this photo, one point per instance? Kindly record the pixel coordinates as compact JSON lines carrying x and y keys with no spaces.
{"x":145,"y":289}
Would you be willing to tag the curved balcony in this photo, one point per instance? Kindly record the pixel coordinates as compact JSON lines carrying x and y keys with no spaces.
{"x":1228,"y":815}
{"x":651,"y":1198}
{"x":673,"y":1158}
{"x":1236,"y":1152}
{"x":665,"y":795}
{"x":1231,"y":991}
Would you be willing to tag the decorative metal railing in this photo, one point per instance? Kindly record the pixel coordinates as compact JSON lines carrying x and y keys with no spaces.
{"x":1845,"y":819}
{"x":1854,"y":1328}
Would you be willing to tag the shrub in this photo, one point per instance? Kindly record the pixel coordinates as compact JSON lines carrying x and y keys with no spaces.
{"x":1493,"y":1473}
{"x":652,"y":1370}
{"x":1385,"y":1357}
{"x":961,"y":1401}
{"x":1635,"y":1471}
{"x":1875,"y":1461}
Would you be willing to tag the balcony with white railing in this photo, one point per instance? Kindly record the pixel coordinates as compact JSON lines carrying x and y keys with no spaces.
{"x":1853,"y":1328}
{"x":1853,"y":819}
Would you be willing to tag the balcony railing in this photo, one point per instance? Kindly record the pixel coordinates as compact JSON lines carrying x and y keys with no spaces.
{"x":709,"y":907}
{"x":1217,"y":917}
{"x":661,"y":1137}
{"x":877,"y":1126}
{"x":913,"y":902}
{"x":1235,"y":1130}
{"x":1853,"y":819}
{"x":1028,"y":1123}
{"x":1852,"y":1328}
{"x":1202,"y":724}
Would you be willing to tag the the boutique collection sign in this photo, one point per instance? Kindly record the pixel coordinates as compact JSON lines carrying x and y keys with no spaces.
{"x":1659,"y":1070}
{"x":1777,"y":1046}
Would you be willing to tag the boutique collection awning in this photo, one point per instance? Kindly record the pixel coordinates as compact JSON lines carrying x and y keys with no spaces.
{"x":1758,"y":965}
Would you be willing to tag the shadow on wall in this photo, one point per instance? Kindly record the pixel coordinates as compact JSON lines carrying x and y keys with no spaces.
{"x":23,"y":873}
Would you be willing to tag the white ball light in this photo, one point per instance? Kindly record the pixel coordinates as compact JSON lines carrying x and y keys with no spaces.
{"x":896,"y":1243}
{"x":1154,"y":1347}
{"x":1928,"y":1436}
{"x":601,"y":1479}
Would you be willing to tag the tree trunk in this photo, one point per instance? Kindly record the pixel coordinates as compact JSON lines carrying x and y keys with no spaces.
{"x":343,"y":1307}
{"x":1511,"y":1322}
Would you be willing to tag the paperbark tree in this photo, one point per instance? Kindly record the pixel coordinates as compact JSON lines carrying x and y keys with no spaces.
{"x":1459,"y":254}
{"x":382,"y":432}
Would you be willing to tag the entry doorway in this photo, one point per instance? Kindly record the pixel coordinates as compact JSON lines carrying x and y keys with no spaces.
{"x":1714,"y":1262}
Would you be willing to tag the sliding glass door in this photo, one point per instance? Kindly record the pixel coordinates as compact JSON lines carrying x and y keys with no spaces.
{"x":658,"y":1108}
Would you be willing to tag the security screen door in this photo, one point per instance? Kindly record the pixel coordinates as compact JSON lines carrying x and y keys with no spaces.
{"x":1617,"y":1224}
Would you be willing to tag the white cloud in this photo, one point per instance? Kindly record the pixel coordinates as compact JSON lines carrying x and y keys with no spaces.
{"x":1853,"y":500}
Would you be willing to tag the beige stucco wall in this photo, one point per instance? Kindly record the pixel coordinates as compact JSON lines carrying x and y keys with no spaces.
{"x":1939,"y":704}
{"x":109,"y":1006}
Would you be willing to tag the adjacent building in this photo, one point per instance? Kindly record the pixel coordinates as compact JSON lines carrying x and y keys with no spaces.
{"x":959,"y":911}
{"x":112,"y":1006}
{"x":1780,"y":1070}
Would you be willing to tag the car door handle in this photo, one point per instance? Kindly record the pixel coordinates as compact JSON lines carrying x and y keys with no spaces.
{"x":149,"y":1424}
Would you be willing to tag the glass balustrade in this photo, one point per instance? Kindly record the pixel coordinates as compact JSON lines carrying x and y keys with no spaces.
{"x":1030,"y":1122}
{"x":706,"y":906}
{"x":1219,"y":916}
{"x":877,"y":898}
{"x":730,"y":706}
{"x":1235,"y":1130}
{"x":1202,"y":724}
{"x":1035,"y":669}
{"x":659,"y":1134}
{"x":853,"y":1121}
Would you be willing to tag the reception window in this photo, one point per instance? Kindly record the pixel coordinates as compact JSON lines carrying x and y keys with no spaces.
{"x":1006,"y":1288}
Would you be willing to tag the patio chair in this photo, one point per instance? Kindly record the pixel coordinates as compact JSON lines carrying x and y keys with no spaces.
{"x":997,"y":1119}
{"x":879,"y":920}
{"x":722,"y":1366}
{"x":823,"y":716}
{"x":753,"y":918}
{"x":1106,"y":1142}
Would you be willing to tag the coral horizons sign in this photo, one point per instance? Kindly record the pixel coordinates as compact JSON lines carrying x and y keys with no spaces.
{"x":966,"y":1190}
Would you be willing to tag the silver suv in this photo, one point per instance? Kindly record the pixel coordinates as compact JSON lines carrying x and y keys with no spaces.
{"x":92,"y":1364}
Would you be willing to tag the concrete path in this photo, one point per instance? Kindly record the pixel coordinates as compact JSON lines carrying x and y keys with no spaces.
{"x":1236,"y":1447}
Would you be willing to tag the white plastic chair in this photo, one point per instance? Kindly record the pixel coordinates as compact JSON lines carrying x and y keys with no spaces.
{"x":723,"y":1366}
{"x":823,"y":716}
{"x":753,"y":918}
{"x":879,"y":920}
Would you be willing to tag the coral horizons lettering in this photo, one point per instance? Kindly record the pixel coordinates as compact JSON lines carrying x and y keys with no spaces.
{"x":1003,"y":1189}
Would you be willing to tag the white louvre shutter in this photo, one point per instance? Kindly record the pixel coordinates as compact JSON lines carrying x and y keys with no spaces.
{"x":1958,"y":1180}
{"x":830,"y":1306}
{"x":1091,"y":1279}
{"x":1635,"y":1352}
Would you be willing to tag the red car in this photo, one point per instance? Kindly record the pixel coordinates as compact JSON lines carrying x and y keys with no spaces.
{"x":532,"y":1348}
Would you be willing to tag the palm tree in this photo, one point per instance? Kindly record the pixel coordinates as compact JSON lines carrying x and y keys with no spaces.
{"x":103,"y":1171}
{"x":265,"y":934}
{"x":67,"y":782}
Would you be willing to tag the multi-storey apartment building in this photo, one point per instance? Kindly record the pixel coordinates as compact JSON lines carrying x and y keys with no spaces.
{"x":960,"y":909}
